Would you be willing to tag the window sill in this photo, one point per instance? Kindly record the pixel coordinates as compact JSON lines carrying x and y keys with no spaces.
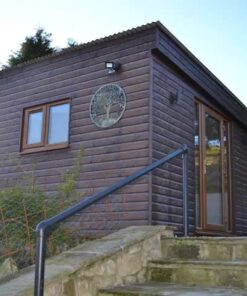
{"x":44,"y":149}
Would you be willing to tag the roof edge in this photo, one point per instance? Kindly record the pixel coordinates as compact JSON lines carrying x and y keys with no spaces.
{"x":84,"y":45}
{"x":156,"y":24}
{"x":196,"y":60}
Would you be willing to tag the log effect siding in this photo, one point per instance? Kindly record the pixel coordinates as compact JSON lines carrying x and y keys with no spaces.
{"x":239,"y":171}
{"x":172,"y":126}
{"x":110,"y":154}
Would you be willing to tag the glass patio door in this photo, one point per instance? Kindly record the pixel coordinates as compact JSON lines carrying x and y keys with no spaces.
{"x":212,"y":170}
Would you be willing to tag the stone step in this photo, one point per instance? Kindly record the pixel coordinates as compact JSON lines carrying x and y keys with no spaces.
{"x":199,"y":273}
{"x":205,"y":248}
{"x":161,"y":289}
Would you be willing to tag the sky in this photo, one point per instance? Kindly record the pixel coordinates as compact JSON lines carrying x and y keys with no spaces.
{"x":215,"y":31}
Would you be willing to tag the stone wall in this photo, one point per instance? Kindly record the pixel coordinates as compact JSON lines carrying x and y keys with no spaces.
{"x":119,"y":258}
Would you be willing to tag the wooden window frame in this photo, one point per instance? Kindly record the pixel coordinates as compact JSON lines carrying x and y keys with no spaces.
{"x":43,"y":145}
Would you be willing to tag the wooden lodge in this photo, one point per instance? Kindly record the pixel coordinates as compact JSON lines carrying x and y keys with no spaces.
{"x":129,"y":99}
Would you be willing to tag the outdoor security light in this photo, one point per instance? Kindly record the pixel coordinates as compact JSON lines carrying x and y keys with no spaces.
{"x":112,"y":67}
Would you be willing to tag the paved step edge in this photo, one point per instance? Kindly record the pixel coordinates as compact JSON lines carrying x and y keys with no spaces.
{"x":207,"y":239}
{"x":161,"y":289}
{"x":212,"y":263}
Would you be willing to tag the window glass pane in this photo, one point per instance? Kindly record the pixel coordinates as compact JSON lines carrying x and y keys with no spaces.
{"x":58,"y":124}
{"x":34,"y":133}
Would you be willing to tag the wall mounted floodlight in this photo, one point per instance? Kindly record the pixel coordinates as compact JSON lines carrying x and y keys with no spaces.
{"x":112,"y":67}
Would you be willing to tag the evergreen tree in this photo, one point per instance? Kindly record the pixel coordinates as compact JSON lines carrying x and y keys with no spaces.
{"x":33,"y":47}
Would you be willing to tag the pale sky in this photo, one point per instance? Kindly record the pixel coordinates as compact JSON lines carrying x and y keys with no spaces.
{"x":215,"y":31}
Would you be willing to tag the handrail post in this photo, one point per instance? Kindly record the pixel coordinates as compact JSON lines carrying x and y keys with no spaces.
{"x":40,"y":261}
{"x":185,"y":191}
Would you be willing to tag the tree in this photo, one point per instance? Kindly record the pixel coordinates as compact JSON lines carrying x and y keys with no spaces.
{"x":33,"y":47}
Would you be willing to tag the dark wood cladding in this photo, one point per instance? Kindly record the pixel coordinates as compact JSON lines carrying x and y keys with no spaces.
{"x":172,"y":126}
{"x":109,"y":154}
{"x":239,"y":171}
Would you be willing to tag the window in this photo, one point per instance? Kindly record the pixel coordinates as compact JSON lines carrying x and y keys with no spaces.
{"x":46,"y":127}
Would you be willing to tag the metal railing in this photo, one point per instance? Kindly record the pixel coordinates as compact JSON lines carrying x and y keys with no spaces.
{"x":44,"y":227}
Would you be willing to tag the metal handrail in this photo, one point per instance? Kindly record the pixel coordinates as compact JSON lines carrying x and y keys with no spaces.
{"x":44,"y":227}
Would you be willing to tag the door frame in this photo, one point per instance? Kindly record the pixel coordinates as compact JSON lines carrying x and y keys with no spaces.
{"x":226,"y":205}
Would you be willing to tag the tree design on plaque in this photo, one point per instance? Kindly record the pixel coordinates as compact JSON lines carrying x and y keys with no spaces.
{"x":107,"y":105}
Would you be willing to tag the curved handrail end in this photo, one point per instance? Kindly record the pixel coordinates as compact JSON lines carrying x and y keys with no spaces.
{"x":41,"y":228}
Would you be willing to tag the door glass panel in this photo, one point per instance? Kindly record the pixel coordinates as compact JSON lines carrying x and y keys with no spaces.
{"x":34,"y":133}
{"x":213,"y":170}
{"x":197,"y":164}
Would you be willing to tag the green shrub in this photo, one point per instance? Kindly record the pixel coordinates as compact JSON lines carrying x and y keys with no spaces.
{"x":22,"y":207}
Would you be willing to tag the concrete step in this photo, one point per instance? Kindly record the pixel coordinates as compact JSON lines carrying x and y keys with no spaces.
{"x":205,"y":248}
{"x":161,"y":289}
{"x":199,"y":273}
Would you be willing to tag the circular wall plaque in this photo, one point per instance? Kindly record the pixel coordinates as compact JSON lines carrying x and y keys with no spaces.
{"x":107,"y":105}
